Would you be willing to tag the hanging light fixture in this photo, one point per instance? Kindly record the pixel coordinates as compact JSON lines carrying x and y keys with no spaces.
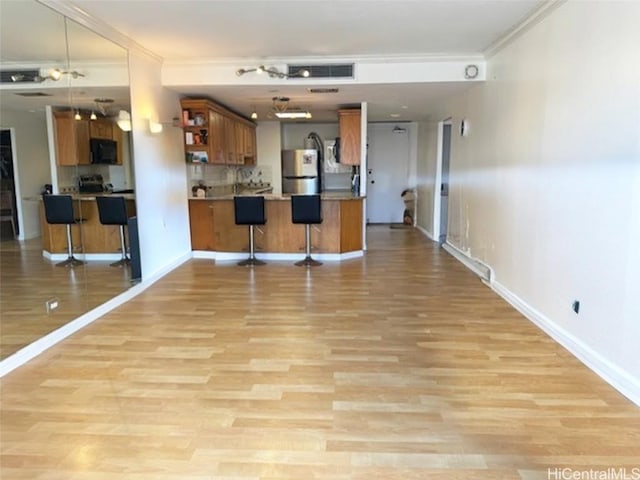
{"x":281,"y":109}
{"x":273,"y":72}
{"x":254,"y":114}
{"x":77,"y":116}
{"x":93,"y":115}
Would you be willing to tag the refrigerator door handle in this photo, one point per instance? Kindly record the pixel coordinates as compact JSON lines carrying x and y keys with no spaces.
{"x":304,"y":177}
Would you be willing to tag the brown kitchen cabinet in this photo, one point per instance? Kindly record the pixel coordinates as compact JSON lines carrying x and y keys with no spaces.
{"x":214,"y":134}
{"x":72,"y":139}
{"x":350,"y":133}
{"x":213,"y":227}
{"x":101,"y":129}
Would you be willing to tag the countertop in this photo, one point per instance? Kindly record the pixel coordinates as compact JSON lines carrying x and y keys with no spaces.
{"x":329,"y":195}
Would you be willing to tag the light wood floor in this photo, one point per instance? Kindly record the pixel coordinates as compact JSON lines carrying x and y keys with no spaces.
{"x":28,"y":280}
{"x":398,"y":366}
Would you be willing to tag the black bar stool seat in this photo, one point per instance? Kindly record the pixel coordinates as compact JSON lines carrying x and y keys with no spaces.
{"x":113,"y":211}
{"x":58,"y":210}
{"x":306,"y":209}
{"x":249,"y":210}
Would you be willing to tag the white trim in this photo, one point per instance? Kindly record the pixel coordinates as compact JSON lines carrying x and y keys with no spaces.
{"x":34,"y":349}
{"x":608,"y":371}
{"x":532,"y":19}
{"x":293,"y":257}
{"x":89,"y":257}
{"x":364,"y":161}
{"x":476,"y":266}
{"x":16,"y":182}
{"x":425,"y":232}
{"x":437,"y":197}
{"x":51,"y":145}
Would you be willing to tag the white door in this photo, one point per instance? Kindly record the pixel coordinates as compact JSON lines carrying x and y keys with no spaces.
{"x":387,"y":173}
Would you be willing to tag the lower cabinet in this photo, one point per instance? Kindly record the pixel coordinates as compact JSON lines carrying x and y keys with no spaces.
{"x":90,"y":236}
{"x":213,"y":228}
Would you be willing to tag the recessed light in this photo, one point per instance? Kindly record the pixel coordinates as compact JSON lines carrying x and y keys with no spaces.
{"x":395,"y":115}
{"x":404,"y":107}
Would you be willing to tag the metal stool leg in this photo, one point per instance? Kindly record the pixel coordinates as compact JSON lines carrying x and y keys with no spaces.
{"x":308,"y":261}
{"x":71,"y":261}
{"x":252,"y":260}
{"x":123,"y":245}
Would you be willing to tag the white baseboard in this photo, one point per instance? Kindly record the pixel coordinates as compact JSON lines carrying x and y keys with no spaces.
{"x":618,"y":378}
{"x":426,"y":233}
{"x":34,"y":349}
{"x":85,"y":257}
{"x":293,"y":257}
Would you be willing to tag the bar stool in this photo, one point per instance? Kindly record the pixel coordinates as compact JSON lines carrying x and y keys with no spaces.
{"x":58,"y":210}
{"x":306,"y":209}
{"x":249,"y":210}
{"x":113,"y":211}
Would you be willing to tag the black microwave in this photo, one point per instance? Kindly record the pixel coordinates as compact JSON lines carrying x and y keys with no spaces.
{"x":104,"y":151}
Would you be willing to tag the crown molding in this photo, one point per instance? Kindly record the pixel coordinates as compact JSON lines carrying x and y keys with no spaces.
{"x":74,"y":12}
{"x":531,"y":20}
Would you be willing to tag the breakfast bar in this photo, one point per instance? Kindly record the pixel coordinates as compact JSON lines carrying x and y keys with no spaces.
{"x":89,"y":236}
{"x":213,"y":227}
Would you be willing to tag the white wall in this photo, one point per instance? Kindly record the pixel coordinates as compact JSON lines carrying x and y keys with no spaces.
{"x":160,"y":180}
{"x":294,"y":134}
{"x":545,"y":187}
{"x":268,"y":149}
{"x":426,"y":174}
{"x":32,"y":154}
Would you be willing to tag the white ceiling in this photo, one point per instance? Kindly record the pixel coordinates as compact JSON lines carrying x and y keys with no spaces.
{"x":251,"y":32}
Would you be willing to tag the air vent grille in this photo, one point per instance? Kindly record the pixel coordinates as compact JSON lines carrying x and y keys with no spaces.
{"x":342,"y":70}
{"x":19,"y":76}
{"x":34,"y":94}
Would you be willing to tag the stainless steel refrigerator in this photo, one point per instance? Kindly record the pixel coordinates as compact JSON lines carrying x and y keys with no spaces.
{"x":300,"y":173}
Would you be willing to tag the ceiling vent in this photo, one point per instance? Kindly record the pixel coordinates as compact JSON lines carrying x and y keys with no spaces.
{"x":20,"y":76}
{"x":322,"y":90}
{"x":34,"y":94}
{"x":338,"y":70}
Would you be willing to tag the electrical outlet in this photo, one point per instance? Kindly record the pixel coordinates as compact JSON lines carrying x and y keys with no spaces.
{"x":51,"y":304}
{"x":575,"y":306}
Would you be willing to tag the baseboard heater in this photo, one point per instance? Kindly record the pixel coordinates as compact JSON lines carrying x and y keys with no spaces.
{"x":476,"y":266}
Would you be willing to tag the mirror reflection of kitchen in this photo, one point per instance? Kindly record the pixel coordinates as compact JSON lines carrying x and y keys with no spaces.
{"x":47,"y":125}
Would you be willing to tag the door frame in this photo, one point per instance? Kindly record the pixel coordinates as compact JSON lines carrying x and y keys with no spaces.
{"x":438,"y":180}
{"x":16,"y":182}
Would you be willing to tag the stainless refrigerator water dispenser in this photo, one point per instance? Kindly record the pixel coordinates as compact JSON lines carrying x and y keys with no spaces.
{"x":300,"y":172}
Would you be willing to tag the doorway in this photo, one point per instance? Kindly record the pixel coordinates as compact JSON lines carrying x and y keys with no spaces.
{"x":441,"y":190}
{"x":387,"y":172}
{"x":10,"y":226}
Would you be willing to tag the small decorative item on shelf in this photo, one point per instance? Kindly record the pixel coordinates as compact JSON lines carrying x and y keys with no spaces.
{"x":203,"y":136}
{"x":185,"y":117}
{"x":197,"y":139}
{"x":189,"y":138}
{"x":198,"y":119}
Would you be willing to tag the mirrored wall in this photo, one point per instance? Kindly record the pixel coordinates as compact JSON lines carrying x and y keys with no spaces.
{"x":62,"y":85}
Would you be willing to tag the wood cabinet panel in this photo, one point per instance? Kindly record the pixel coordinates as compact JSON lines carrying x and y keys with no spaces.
{"x":201,"y":224}
{"x":350,"y":133}
{"x":90,"y":236}
{"x":340,"y":230}
{"x":72,"y":140}
{"x":101,"y":129}
{"x":230,"y":138}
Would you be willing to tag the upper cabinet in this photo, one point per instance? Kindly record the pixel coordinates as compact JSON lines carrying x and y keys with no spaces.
{"x":72,"y":139}
{"x":214,"y":134}
{"x":350,"y":144}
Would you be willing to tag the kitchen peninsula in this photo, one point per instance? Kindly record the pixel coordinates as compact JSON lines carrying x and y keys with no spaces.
{"x":213,"y":227}
{"x":100,"y":241}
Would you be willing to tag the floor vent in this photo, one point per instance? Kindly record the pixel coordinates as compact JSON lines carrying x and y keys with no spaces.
{"x":341,"y":70}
